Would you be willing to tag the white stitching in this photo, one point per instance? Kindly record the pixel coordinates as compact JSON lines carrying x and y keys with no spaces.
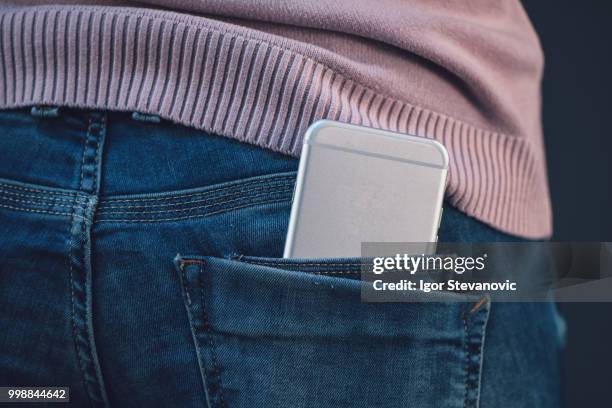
{"x":36,"y":196}
{"x":38,"y":211}
{"x":197,"y":215}
{"x":216,"y":197}
{"x":237,"y":186}
{"x":42,"y":191}
{"x":241,"y":198}
{"x":38,"y":202}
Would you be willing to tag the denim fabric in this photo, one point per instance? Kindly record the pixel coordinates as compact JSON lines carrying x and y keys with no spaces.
{"x":140,"y":266}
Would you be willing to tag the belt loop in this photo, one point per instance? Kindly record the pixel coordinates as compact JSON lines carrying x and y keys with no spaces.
{"x":142,"y":117}
{"x":40,"y":111}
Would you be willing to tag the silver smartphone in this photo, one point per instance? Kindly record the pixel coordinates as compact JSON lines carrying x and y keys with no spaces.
{"x":357,"y":184}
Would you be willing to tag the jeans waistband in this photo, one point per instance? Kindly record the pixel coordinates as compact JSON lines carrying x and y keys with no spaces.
{"x":135,"y":155}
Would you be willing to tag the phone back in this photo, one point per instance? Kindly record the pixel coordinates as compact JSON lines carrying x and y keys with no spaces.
{"x":358,"y":184}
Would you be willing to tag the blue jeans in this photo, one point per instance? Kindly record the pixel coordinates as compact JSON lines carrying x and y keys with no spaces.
{"x":140,"y":266}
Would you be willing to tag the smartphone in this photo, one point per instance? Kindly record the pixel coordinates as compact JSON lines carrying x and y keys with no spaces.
{"x":356,"y":184}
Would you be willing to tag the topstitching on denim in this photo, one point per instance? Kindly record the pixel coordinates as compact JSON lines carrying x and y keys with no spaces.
{"x":26,"y":198}
{"x":316,"y":266}
{"x":475,"y":320}
{"x":203,"y":202}
{"x":210,"y":370}
{"x":79,"y":257}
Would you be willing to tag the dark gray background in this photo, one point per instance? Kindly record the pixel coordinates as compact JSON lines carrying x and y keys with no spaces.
{"x":577,"y":42}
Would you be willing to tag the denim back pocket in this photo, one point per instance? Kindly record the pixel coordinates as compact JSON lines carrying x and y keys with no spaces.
{"x":294,"y":333}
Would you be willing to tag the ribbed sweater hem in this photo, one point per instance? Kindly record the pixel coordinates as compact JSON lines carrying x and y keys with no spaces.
{"x":194,"y":72}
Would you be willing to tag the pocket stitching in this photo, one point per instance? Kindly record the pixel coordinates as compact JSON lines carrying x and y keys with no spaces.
{"x":291,"y":266}
{"x":210,"y":340}
{"x":206,"y":324}
{"x":306,"y":264}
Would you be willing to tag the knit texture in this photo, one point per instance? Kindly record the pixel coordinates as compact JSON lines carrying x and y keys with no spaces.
{"x":254,"y":87}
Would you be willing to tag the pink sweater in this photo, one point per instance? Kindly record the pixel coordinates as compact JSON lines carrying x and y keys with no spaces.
{"x":466,"y":73}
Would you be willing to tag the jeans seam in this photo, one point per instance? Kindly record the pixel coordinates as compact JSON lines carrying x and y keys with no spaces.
{"x":305,"y":264}
{"x":81,"y":269}
{"x":210,"y":339}
{"x":72,"y":298}
{"x":51,"y":204}
{"x":40,"y":195}
{"x":84,"y":154}
{"x":281,"y":266}
{"x":246,"y":184}
{"x":66,"y":214}
{"x":291,"y":267}
{"x":239,"y":195}
{"x":478,"y":314}
{"x":200,"y":326}
{"x":204,"y":215}
{"x":279,"y":186}
{"x":102,"y":124}
{"x":466,"y":367}
{"x":41,"y":191}
{"x":35,"y":201}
